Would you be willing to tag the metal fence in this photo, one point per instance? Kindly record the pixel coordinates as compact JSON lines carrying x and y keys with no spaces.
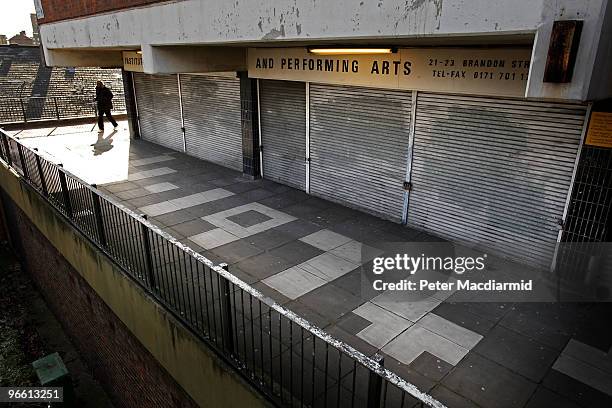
{"x":282,"y":355}
{"x":15,"y":110}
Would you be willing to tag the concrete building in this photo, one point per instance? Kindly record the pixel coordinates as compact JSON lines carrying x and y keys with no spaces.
{"x":3,"y":40}
{"x":35,"y":31}
{"x":486,"y":123}
{"x":21,"y":39}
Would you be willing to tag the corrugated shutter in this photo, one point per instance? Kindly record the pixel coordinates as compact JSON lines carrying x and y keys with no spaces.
{"x":159,"y":109}
{"x":283,"y":129}
{"x":494,"y":171}
{"x":211,"y":110}
{"x":358,"y":146}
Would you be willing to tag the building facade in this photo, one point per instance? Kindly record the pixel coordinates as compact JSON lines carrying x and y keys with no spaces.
{"x":467,"y":122}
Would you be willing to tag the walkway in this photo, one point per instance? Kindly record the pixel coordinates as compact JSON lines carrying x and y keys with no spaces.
{"x":306,"y":253}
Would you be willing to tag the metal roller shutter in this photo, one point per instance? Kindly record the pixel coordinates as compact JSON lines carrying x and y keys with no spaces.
{"x":282,"y":107}
{"x":494,"y":171}
{"x":211,"y":111}
{"x":358,"y":146}
{"x":159,"y":109}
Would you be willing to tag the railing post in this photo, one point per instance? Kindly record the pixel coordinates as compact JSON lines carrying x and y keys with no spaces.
{"x":95,"y":198}
{"x":24,"y":168}
{"x":148,"y":253}
{"x":41,"y":174}
{"x":226,"y":312}
{"x":7,"y":149}
{"x":375,"y":384}
{"x":23,"y":112}
{"x":65,"y":192}
{"x":56,"y":108}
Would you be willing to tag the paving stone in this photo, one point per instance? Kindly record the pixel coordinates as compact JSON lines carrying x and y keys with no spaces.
{"x":298,"y":228}
{"x":256,"y":194}
{"x":584,"y":372}
{"x":296,"y":252}
{"x":325,"y":239}
{"x":431,"y":366}
{"x":576,"y":391}
{"x":176,"y":217}
{"x":213,"y":207}
{"x":339,"y":333}
{"x":351,"y":282}
{"x":132,"y":194}
{"x":160,"y":187}
{"x":330,"y":301}
{"x":385,"y":326}
{"x":294,"y":282}
{"x":122,"y":186}
{"x":264,"y":265}
{"x":412,"y":310}
{"x":517,"y":353}
{"x":150,"y":160}
{"x":459,"y":314}
{"x":249,"y":218}
{"x":451,"y":399}
{"x":328,"y":266}
{"x":416,"y":339}
{"x":544,"y":397}
{"x":150,"y":173}
{"x":270,"y":239}
{"x":488,"y":384}
{"x":309,"y":314}
{"x":243,"y":186}
{"x":193,"y":227}
{"x":352,"y":323}
{"x":213,"y":238}
{"x":423,"y":383}
{"x":447,"y":329}
{"x":236,"y":251}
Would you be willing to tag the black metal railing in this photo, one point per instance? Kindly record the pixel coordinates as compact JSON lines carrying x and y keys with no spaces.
{"x":27,"y":109}
{"x":291,"y":361}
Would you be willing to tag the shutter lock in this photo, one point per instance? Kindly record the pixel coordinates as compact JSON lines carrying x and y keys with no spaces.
{"x":407,"y":185}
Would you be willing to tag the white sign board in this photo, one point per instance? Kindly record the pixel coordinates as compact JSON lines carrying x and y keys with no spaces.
{"x":480,"y":71}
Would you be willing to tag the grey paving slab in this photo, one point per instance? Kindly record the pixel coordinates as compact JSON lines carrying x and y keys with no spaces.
{"x":175,"y":217}
{"x":517,"y":353}
{"x":213,"y":238}
{"x":411,"y":310}
{"x":330,"y":301}
{"x":576,"y":391}
{"x":193,"y":227}
{"x":449,"y":330}
{"x":296,"y":252}
{"x":450,"y":398}
{"x":264,"y":265}
{"x":328,"y":266}
{"x":352,"y":323}
{"x":459,"y":314}
{"x":249,"y":218}
{"x":236,"y":251}
{"x":431,"y":366}
{"x":544,"y":397}
{"x":489,"y":384}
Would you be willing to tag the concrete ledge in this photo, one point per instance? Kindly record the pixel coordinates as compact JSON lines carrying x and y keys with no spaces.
{"x":202,"y":374}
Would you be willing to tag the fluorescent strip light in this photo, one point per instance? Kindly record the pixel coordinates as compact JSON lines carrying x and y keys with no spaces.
{"x":349,"y":51}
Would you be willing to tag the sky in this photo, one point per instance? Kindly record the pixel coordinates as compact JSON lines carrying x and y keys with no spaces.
{"x":15,"y":16}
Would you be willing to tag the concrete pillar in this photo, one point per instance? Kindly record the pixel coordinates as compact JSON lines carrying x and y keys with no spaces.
{"x":130,"y":104}
{"x":250,"y":125}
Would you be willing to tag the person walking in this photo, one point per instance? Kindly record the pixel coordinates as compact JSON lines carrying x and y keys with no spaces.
{"x":104,"y":99}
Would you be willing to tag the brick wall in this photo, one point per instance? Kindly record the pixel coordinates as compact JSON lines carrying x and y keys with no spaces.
{"x":129,"y":373}
{"x":56,"y":10}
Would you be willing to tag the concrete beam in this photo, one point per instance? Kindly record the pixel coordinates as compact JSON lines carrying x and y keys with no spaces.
{"x":84,"y":58}
{"x":183,"y":59}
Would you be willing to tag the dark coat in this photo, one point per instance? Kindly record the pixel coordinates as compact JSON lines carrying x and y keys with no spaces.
{"x":104,"y":98}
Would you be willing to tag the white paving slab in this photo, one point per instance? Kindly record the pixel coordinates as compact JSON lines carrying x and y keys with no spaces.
{"x":325,"y":239}
{"x":185,"y":202}
{"x":328,"y":266}
{"x":213,"y":238}
{"x":398,"y":303}
{"x":151,"y":160}
{"x":385,"y":325}
{"x":140,"y":175}
{"x":221,"y":220}
{"x":160,"y":187}
{"x":154,"y":210}
{"x":449,"y":330}
{"x":294,"y":282}
{"x":416,"y":339}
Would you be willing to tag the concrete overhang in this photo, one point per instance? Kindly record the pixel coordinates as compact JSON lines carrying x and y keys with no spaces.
{"x":188,"y":58}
